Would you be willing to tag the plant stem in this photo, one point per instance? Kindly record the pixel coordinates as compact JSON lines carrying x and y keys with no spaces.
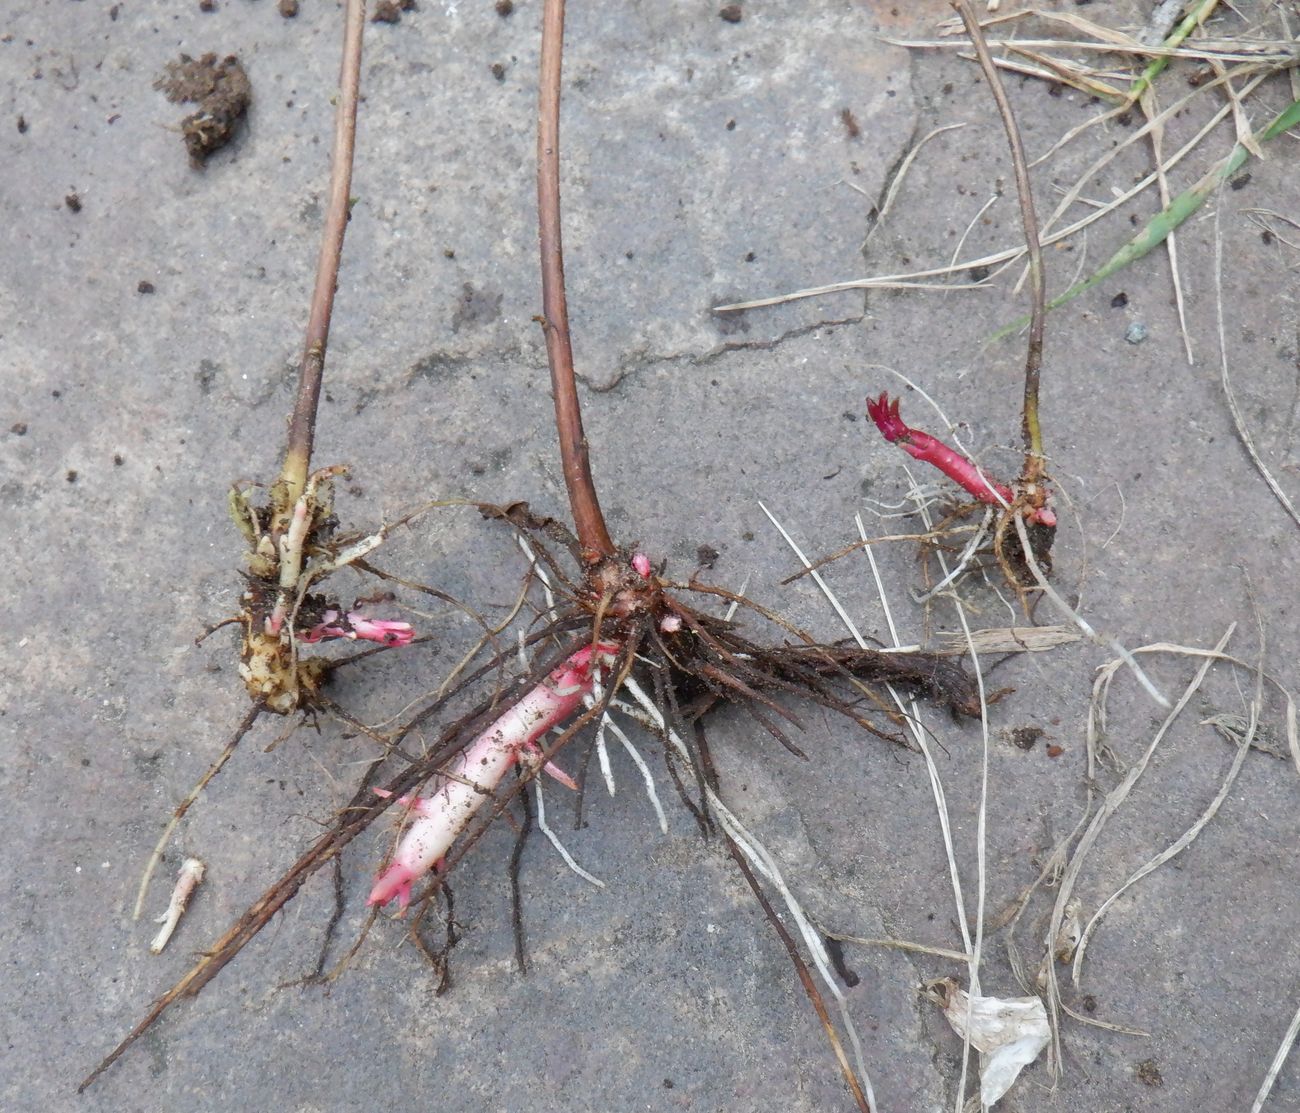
{"x":1032,"y":431}
{"x":587,"y":518}
{"x":302,"y":423}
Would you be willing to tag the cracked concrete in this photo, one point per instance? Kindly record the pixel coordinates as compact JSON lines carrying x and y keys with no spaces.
{"x":705,"y":161}
{"x":705,"y":359}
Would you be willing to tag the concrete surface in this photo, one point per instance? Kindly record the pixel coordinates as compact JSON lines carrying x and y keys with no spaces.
{"x":666,"y":990}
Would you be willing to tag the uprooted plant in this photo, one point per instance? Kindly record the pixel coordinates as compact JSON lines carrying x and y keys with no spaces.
{"x":294,"y":539}
{"x":614,"y":613}
{"x":1026,"y":525}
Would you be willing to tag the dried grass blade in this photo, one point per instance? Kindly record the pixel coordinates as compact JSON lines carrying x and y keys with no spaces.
{"x":1156,"y":66}
{"x":1162,"y":225}
{"x":1180,"y":844}
{"x":1275,"y":1067}
{"x":1238,"y":421}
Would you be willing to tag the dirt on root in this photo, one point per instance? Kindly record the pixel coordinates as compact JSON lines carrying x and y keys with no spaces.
{"x":221,"y":90}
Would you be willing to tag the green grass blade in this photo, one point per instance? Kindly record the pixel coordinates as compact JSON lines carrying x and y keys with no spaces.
{"x":1156,"y":66}
{"x":1159,"y":228}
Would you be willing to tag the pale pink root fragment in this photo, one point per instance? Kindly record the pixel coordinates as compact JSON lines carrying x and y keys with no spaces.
{"x":930,"y":450}
{"x":190,"y":876}
{"x":383,"y":631}
{"x":441,"y":817}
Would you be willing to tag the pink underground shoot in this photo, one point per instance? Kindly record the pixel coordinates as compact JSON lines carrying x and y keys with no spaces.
{"x":358,"y":626}
{"x":960,"y":469}
{"x":670,"y":623}
{"x":440,"y":818}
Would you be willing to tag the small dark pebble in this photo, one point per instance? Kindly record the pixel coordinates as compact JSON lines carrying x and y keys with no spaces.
{"x":118,"y":459}
{"x":1124,"y":119}
{"x":1119,"y":300}
{"x":979,"y":274}
{"x":1240,"y":182}
{"x":731,"y":125}
{"x":1148,"y":1073}
{"x":448,"y":253}
{"x":732,"y":13}
{"x":386,"y":11}
{"x":1266,"y":237}
{"x":747,"y":535}
{"x":505,"y":8}
{"x":18,"y":428}
{"x":144,"y":286}
{"x":1089,"y":1003}
{"x":498,"y":71}
{"x":750,"y":256}
{"x":707,"y":556}
{"x":668,"y":1083}
{"x":288,"y":8}
{"x":22,"y":125}
{"x":207,"y":5}
{"x":73,"y":201}
{"x":71,"y":477}
{"x":85,"y":763}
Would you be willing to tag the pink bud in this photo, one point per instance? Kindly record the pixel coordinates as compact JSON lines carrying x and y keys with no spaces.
{"x":641,"y":563}
{"x":383,"y":632}
{"x":324,"y":629}
{"x":394,"y":882}
{"x":885,"y":414}
{"x":367,"y":629}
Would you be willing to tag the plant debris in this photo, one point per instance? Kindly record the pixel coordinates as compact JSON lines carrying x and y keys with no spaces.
{"x":190,"y":876}
{"x":222,"y":91}
{"x":1148,"y":1073}
{"x":1009,"y":1033}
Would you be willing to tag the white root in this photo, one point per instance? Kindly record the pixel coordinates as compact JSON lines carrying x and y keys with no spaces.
{"x":190,"y":876}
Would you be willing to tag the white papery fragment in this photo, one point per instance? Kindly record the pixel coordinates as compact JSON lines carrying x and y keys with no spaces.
{"x":190,"y":876}
{"x":1008,"y":1032}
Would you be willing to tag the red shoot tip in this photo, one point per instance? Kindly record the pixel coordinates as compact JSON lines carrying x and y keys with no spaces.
{"x":930,"y":450}
{"x":885,"y":414}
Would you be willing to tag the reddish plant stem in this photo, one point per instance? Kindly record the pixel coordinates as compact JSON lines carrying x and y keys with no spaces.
{"x":1033,"y":434}
{"x":589,"y":522}
{"x":302,"y":423}
{"x":960,"y":469}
